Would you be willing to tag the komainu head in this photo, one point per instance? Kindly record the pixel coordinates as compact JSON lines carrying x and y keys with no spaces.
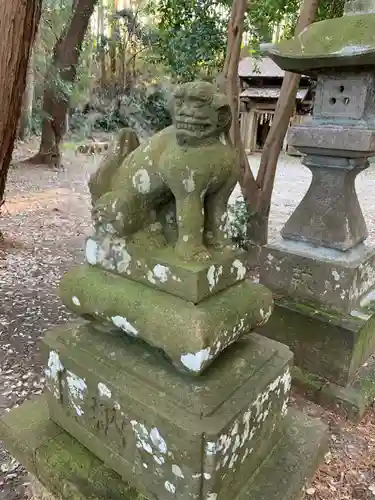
{"x":200,"y":113}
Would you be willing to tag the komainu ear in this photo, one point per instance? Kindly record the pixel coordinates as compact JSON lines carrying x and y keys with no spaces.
{"x":224,"y":118}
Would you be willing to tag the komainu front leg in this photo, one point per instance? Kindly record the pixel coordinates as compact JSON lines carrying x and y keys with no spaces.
{"x":217,"y":224}
{"x":190,"y":221}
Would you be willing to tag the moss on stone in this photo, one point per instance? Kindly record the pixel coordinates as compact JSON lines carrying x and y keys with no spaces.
{"x":343,"y":37}
{"x":167,"y":322}
{"x":60,"y":463}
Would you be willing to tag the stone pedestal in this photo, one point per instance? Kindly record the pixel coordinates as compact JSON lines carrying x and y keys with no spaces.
{"x":135,"y":420}
{"x":321,"y":272}
{"x":63,"y":468}
{"x":166,"y":433}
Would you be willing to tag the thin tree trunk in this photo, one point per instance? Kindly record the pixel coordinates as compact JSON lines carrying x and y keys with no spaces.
{"x":64,"y":69}
{"x":103,"y":75}
{"x":259,"y":201}
{"x":27,"y":103}
{"x":18,"y":25}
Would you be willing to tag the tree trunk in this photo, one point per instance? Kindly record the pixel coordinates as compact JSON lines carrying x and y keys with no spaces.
{"x":259,"y":200}
{"x":101,"y":48}
{"x":27,"y":103}
{"x":62,"y":75}
{"x":18,"y":25}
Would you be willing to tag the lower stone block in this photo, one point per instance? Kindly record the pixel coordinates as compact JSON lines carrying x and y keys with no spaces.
{"x":69,"y":471}
{"x":167,"y":433}
{"x":351,"y":400}
{"x":333,"y":353}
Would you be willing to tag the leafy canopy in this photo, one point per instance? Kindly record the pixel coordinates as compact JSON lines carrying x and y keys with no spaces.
{"x":191,"y":35}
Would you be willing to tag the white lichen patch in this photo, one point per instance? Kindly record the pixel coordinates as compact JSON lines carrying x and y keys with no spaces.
{"x":104,"y":391}
{"x":161,"y":273}
{"x":194,"y":362}
{"x":158,"y":441}
{"x":53,"y":372}
{"x":213,"y":276}
{"x":124,"y":325}
{"x":141,"y":181}
{"x":189,"y":183}
{"x":364,"y":280}
{"x":265,"y":315}
{"x":177,"y":471}
{"x":237,"y":443}
{"x":125,"y":262}
{"x":150,"y":441}
{"x":171,"y":488}
{"x":336,"y":275}
{"x":212,"y":496}
{"x":151,"y":277}
{"x":76,"y":301}
{"x":91,"y":251}
{"x":210,"y":448}
{"x":238,"y":268}
{"x":227,"y":337}
{"x":76,"y":390}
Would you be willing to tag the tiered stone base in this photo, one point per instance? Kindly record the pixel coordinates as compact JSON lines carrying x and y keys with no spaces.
{"x":170,"y":435}
{"x":63,"y":468}
{"x":333,"y":354}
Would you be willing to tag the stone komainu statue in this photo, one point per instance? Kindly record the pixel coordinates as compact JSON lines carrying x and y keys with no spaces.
{"x":184,"y":174}
{"x":161,"y":265}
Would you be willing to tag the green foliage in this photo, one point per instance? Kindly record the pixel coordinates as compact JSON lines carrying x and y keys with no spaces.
{"x":185,"y":39}
{"x":144,"y":109}
{"x":329,"y":9}
{"x":238,"y":219}
{"x":266,"y":15}
{"x":191,"y":36}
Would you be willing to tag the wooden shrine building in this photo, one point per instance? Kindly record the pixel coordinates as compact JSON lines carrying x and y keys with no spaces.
{"x":261,"y":81}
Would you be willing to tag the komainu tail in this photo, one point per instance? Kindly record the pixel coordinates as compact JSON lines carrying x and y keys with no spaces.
{"x":121,"y":147}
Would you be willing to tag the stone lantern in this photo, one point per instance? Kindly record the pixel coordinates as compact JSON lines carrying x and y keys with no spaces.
{"x":321,"y":269}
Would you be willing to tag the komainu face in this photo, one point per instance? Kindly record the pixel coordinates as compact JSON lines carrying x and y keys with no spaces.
{"x":200,"y":113}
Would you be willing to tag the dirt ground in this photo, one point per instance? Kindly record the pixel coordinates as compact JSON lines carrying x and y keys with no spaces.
{"x":45,"y":220}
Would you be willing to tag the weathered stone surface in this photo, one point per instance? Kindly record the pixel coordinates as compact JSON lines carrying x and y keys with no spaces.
{"x":325,"y":343}
{"x":329,"y":214}
{"x":165,"y":432}
{"x":291,"y":463}
{"x":320,"y":139}
{"x":345,"y":99}
{"x":58,"y":460}
{"x":338,"y":280}
{"x":191,"y":335}
{"x":351,"y":400}
{"x":185,"y":173}
{"x":163,"y":270}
